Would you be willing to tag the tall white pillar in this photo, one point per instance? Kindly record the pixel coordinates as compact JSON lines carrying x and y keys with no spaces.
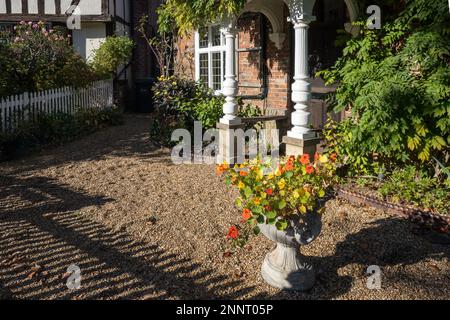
{"x":300,"y":17}
{"x":230,"y":108}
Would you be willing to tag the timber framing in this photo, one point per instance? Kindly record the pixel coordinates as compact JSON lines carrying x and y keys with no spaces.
{"x":59,"y":16}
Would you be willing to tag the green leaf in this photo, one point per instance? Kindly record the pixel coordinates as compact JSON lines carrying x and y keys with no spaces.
{"x":281,"y":225}
{"x":271,"y":214}
{"x":261,"y":219}
{"x":281,"y":204}
{"x":248,"y":192}
{"x":321,"y":193}
{"x":256,"y":210}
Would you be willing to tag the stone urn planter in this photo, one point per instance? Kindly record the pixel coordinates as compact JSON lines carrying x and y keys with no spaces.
{"x":284,"y":267}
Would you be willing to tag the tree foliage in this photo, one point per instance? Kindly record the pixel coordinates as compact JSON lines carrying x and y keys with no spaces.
{"x":34,"y":57}
{"x":188,"y":15}
{"x":396,"y":82}
{"x":112,"y":53}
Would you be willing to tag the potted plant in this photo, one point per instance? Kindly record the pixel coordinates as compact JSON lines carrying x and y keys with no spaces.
{"x":285,"y":204}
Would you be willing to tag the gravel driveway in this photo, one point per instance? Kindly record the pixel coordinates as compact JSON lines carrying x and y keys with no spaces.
{"x":139,"y":227}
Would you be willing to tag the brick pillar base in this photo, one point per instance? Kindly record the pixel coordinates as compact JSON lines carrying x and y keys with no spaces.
{"x":228,"y":143}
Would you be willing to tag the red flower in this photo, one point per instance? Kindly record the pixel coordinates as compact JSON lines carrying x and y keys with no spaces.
{"x":333,"y":156}
{"x":268,"y":208}
{"x":309,"y":169}
{"x":269,"y":191}
{"x":316,"y":157}
{"x":246,"y":214}
{"x":233,"y":233}
{"x":305,"y":159}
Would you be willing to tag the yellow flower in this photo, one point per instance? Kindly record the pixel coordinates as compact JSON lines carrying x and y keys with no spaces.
{"x":241,"y":185}
{"x":263,"y":195}
{"x":323,"y":158}
{"x":270,"y":176}
{"x":282,"y":193}
{"x":257,"y":201}
{"x":281,"y":184}
{"x":295,"y":194}
{"x":259,"y":175}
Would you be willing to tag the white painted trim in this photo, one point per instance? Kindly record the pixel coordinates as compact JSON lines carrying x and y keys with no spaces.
{"x":209,"y":50}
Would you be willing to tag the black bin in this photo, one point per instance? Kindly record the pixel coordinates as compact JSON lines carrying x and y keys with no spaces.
{"x":144,"y":96}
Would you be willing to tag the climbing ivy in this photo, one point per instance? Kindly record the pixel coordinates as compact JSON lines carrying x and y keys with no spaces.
{"x":188,"y":15}
{"x":396,"y":83}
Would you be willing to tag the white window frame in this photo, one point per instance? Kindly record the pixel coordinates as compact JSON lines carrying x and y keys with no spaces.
{"x":210,"y":50}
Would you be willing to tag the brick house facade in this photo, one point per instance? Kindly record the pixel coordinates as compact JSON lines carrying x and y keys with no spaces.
{"x":265,"y":56}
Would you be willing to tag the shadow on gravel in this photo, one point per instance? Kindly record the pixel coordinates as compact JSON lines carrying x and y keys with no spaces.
{"x":129,"y":140}
{"x":379,"y":245}
{"x":42,"y":237}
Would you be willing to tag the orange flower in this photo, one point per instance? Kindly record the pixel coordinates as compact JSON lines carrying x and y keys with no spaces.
{"x":280,"y":169}
{"x":269,"y":191}
{"x":246,"y":214}
{"x":333,"y":157}
{"x":305,"y":159}
{"x":233,"y":233}
{"x":221,"y":169}
{"x":243,"y":173}
{"x":309,"y":169}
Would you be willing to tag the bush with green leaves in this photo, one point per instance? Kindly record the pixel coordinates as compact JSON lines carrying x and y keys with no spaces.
{"x":416,"y":187}
{"x":396,"y":82}
{"x":179,"y":102}
{"x":112,"y":53}
{"x":49,"y":129}
{"x":35,"y":57}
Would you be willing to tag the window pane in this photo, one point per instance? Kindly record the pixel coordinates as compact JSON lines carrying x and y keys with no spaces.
{"x":203,"y":37}
{"x":216,"y":71}
{"x":216,"y":36}
{"x":204,"y":66}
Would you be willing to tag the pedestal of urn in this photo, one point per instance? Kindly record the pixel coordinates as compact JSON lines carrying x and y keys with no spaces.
{"x":284,"y":267}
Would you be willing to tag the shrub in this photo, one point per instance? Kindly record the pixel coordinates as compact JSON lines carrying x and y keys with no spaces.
{"x":396,"y":82}
{"x":35,"y":58}
{"x":180,"y":102}
{"x":113,"y":52}
{"x":48,"y":129}
{"x":416,"y":187}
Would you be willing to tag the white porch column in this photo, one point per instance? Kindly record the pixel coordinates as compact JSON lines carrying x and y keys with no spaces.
{"x":230,"y":108}
{"x":300,"y":17}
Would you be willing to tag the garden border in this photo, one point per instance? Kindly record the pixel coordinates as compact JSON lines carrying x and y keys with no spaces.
{"x":434,"y":221}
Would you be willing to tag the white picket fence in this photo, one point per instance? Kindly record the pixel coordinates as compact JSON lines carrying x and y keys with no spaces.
{"x":17,"y":109}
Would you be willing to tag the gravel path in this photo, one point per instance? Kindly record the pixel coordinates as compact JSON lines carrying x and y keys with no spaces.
{"x":140,"y":227}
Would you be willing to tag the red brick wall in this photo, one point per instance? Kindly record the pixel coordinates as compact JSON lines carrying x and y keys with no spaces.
{"x":185,"y":63}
